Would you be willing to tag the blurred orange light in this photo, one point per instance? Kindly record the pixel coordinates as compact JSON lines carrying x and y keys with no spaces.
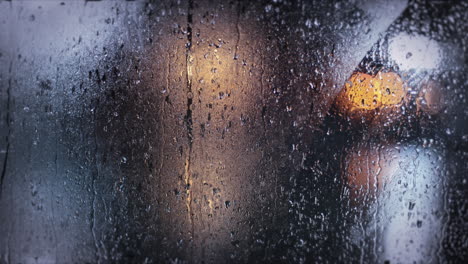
{"x":366,"y":92}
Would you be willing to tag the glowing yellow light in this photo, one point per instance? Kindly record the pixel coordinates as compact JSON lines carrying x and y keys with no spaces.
{"x":392,"y":88}
{"x":366,"y":92}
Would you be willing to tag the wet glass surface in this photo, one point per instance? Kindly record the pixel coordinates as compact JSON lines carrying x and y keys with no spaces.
{"x":205,"y":131}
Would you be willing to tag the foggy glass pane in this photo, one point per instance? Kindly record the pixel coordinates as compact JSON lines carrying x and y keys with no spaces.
{"x":203,"y":131}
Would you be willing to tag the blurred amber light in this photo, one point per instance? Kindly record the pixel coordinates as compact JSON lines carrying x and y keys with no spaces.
{"x":366,"y":92}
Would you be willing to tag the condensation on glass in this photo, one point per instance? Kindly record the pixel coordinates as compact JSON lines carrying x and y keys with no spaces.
{"x":233,"y":131}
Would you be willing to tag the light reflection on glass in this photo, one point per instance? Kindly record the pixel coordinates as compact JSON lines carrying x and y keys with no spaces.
{"x":415,"y":52}
{"x":400,"y":188}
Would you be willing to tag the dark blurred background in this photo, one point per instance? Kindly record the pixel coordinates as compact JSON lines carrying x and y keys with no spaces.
{"x":203,"y":131}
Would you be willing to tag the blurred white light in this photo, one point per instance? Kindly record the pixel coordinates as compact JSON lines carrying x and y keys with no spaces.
{"x":414,"y":52}
{"x":409,"y":206}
